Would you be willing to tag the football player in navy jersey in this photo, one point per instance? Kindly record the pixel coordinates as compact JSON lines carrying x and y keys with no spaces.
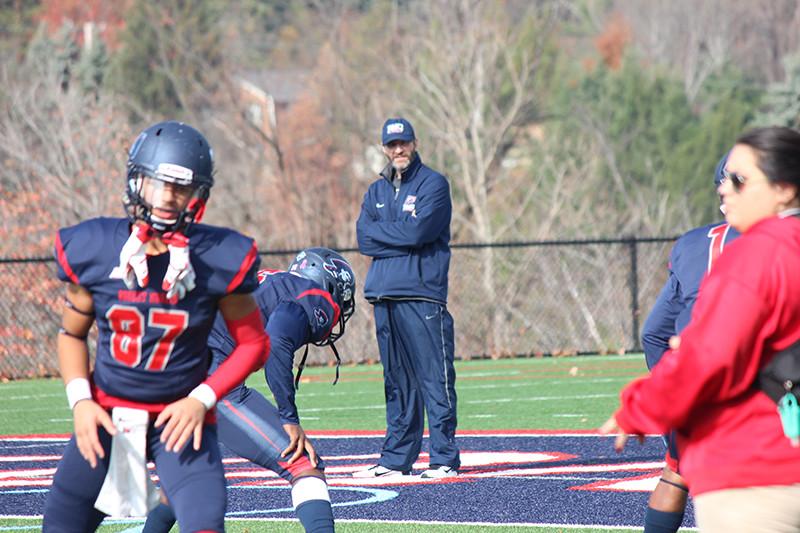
{"x":153,"y":283}
{"x":309,"y":303}
{"x":690,"y":260}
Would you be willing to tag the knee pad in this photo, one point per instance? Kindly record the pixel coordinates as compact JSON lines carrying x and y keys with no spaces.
{"x":309,"y":488}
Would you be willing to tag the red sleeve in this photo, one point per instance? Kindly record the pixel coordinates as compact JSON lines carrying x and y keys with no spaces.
{"x":250,"y":353}
{"x":718,"y":359}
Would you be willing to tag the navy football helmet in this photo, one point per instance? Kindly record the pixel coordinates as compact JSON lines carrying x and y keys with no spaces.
{"x":332,"y":272}
{"x":175,"y":153}
{"x":719,"y":175}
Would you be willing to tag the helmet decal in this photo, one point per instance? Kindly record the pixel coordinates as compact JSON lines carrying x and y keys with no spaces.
{"x":174,"y":173}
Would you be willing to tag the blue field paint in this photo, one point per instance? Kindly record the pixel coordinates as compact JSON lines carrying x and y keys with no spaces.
{"x":507,"y":478}
{"x":373,"y":496}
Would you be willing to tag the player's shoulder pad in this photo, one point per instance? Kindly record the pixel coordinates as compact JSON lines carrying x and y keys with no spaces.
{"x":229,"y":259}
{"x":702,"y":232}
{"x":318,"y":305}
{"x":265,"y":274}
{"x":85,"y":252}
{"x":698,"y":237}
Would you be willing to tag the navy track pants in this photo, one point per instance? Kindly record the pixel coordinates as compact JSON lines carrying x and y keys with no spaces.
{"x":416,"y":343}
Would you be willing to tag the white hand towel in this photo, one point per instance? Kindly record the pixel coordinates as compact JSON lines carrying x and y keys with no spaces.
{"x":128,"y":489}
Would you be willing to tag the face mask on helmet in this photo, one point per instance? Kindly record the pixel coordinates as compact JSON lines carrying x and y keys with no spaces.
{"x":170,"y":174}
{"x":331,"y":271}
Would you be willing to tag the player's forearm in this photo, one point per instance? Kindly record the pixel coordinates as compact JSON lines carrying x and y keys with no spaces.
{"x":73,"y":358}
{"x":278,"y":371}
{"x":287,"y":409}
{"x":73,"y":362}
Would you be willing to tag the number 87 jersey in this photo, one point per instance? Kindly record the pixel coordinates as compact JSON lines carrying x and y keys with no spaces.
{"x":153,"y":349}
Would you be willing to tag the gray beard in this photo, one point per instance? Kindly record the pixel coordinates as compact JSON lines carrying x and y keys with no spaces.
{"x":401,"y":167}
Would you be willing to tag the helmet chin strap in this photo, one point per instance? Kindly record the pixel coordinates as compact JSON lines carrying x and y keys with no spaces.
{"x":198,"y":205}
{"x":302,"y":365}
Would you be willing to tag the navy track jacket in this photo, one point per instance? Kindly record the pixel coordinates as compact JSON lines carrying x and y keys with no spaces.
{"x":406,"y":231}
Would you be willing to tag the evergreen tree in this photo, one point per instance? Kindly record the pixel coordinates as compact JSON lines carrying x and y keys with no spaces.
{"x":170,"y":55}
{"x":657,"y":137}
{"x":782,"y":99}
{"x":92,"y":66}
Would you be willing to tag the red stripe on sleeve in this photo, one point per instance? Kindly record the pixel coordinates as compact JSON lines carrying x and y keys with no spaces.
{"x":61,"y":257}
{"x":246,"y":264}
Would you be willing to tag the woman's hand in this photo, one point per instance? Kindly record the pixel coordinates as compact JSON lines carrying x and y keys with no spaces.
{"x":610,"y":426}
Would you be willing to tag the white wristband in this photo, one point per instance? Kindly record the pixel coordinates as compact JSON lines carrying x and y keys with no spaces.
{"x":205,"y":394}
{"x":78,"y":389}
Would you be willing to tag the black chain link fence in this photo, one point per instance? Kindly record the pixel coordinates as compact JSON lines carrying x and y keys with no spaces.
{"x":507,"y":299}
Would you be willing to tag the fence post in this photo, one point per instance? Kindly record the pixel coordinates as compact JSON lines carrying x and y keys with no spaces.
{"x":633,"y":284}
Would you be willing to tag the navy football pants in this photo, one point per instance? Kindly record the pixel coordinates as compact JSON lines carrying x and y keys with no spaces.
{"x":251,"y":427}
{"x":193,"y":481}
{"x":416,"y":344}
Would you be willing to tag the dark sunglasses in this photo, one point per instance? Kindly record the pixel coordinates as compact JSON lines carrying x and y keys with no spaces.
{"x":737,"y":180}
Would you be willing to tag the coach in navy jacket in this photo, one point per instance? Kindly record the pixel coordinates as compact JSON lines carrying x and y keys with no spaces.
{"x":404,"y":226}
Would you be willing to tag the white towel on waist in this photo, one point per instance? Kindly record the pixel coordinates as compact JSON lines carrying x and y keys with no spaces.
{"x":128,"y":489}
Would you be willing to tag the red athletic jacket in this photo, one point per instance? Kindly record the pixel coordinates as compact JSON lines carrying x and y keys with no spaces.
{"x":729,"y":433}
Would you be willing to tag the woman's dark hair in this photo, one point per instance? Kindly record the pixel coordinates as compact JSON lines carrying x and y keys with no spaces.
{"x":778,"y":151}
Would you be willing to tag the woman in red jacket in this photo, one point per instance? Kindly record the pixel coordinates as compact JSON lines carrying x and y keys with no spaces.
{"x":743,"y":473}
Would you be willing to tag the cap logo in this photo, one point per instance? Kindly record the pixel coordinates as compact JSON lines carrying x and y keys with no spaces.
{"x":396,"y":127}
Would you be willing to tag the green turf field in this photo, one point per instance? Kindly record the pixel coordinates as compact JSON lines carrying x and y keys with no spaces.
{"x":549,"y":393}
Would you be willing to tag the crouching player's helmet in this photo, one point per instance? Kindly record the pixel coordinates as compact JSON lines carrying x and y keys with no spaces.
{"x":170,"y":175}
{"x":332,"y":272}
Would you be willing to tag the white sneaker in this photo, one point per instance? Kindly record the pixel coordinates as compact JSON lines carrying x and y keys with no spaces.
{"x":439,"y":472}
{"x":380,"y":471}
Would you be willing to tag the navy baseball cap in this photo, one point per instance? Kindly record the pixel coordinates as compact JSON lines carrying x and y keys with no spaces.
{"x":395,"y":129}
{"x":718,"y":172}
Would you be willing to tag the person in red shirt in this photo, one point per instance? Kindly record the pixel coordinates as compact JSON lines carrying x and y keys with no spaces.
{"x":742,"y":471}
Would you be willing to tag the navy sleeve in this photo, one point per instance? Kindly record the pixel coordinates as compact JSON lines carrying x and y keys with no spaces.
{"x":660,"y":323}
{"x":367,"y":245}
{"x":431,"y":216}
{"x":288,"y":330}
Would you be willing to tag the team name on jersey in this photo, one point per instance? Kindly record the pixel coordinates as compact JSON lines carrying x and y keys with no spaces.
{"x":146,"y":297}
